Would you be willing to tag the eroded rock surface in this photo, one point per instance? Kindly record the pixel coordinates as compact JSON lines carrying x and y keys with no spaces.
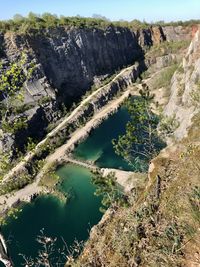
{"x":185,"y":89}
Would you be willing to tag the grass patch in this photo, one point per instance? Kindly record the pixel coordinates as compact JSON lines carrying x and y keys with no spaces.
{"x":156,"y":230}
{"x":166,"y":48}
{"x":165,"y":76}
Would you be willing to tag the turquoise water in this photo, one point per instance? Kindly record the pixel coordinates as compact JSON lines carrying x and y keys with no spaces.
{"x":69,"y":221}
{"x":73,"y":219}
{"x":98,"y":146}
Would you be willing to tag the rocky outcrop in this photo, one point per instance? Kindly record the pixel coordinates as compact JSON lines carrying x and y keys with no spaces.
{"x":185,"y":90}
{"x":151,"y":36}
{"x":165,"y":61}
{"x":68,"y":62}
{"x":178,"y":33}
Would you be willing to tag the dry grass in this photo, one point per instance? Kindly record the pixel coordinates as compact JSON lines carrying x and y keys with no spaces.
{"x":161,"y":228}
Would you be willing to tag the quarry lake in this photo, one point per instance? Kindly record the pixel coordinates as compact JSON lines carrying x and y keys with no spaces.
{"x":68,"y":221}
{"x":71,"y":220}
{"x":98,"y":146}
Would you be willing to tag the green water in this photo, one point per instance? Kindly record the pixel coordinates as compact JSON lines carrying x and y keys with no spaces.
{"x":98,"y":146}
{"x":70,"y":221}
{"x":73,"y":219}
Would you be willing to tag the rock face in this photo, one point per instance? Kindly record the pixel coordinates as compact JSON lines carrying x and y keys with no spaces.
{"x":173,"y":177}
{"x":69,"y":61}
{"x":185,"y":89}
{"x":178,"y":33}
{"x":150,"y":36}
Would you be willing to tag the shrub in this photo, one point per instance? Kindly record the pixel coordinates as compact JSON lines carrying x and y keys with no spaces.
{"x":165,"y":48}
{"x":195,"y":95}
{"x":168,"y":125}
{"x":195,"y":203}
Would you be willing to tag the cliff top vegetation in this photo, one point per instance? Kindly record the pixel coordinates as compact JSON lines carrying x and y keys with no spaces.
{"x":34,"y":21}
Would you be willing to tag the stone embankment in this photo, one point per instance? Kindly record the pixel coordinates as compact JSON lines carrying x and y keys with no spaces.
{"x":68,"y":61}
{"x":126,"y":77}
{"x":88,"y":107}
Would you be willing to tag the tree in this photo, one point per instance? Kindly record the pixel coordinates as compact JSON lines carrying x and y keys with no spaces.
{"x":50,"y":19}
{"x":109,"y":190}
{"x":140,"y":142}
{"x":12,"y":79}
{"x":18,"y":18}
{"x":33,"y":16}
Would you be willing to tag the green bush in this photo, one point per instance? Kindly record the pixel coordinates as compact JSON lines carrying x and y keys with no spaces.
{"x":195,"y":96}
{"x":38,"y":22}
{"x":14,"y":126}
{"x":168,"y":125}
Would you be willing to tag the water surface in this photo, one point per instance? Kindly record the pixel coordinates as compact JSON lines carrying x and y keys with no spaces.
{"x":98,"y":146}
{"x":73,"y":219}
{"x":69,"y":221}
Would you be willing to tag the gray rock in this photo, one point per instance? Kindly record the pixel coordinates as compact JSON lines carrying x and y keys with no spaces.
{"x":184,"y":83}
{"x":178,"y":33}
{"x":165,"y":61}
{"x":68,"y":62}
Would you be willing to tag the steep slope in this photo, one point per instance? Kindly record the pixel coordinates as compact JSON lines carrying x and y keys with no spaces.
{"x":161,"y":225}
{"x":68,"y":61}
{"x":185,"y":90}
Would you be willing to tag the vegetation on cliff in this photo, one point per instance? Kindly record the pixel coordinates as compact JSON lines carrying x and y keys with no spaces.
{"x":161,"y":227}
{"x":38,"y":22}
{"x":153,"y":229}
{"x":141,"y":142}
{"x":12,"y":79}
{"x":111,"y":192}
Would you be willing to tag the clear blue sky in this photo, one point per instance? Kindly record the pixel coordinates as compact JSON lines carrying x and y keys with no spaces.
{"x":150,"y":10}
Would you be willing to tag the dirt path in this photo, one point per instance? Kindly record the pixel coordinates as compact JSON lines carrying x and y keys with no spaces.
{"x":80,"y":163}
{"x":83,"y":132}
{"x":67,"y":119}
{"x":24,"y":194}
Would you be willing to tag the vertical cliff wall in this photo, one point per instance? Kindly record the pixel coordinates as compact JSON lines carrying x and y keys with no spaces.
{"x":68,"y":61}
{"x":185,"y":89}
{"x":71,"y":59}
